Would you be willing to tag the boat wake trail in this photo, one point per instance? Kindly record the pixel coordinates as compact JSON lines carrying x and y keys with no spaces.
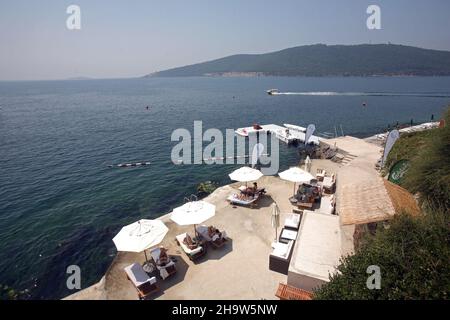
{"x":368,"y":94}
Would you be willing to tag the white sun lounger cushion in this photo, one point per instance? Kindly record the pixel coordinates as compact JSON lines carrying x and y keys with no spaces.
{"x":155,"y":255}
{"x":282,"y":250}
{"x":328,"y":182}
{"x":180,"y":239}
{"x":292,"y":221}
{"x":234,"y":198}
{"x":137,"y":275}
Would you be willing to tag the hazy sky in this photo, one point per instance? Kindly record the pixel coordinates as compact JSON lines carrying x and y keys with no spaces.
{"x":133,"y":38}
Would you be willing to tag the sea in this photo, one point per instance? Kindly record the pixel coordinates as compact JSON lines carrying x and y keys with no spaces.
{"x":60,"y":201}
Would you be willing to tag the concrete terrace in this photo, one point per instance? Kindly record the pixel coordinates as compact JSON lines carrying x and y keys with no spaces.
{"x":239,"y":270}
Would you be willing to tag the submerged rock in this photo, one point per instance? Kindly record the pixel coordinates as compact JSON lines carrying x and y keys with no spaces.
{"x":205,"y":188}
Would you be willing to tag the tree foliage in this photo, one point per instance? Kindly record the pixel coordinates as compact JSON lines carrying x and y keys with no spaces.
{"x":413,"y":255}
{"x":323,"y":60}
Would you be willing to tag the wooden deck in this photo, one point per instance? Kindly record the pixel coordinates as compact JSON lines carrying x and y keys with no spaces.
{"x":286,"y":292}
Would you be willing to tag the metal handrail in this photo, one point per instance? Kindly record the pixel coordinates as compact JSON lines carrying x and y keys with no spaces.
{"x":191,"y":198}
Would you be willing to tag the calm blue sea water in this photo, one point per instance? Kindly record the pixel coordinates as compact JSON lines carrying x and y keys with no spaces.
{"x":59,"y":202}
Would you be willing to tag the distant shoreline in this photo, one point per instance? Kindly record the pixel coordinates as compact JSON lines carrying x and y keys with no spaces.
{"x":262,"y":74}
{"x":232,"y":75}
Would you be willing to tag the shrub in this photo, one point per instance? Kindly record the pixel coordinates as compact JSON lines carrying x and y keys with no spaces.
{"x":413,"y":255}
{"x":429,"y":172}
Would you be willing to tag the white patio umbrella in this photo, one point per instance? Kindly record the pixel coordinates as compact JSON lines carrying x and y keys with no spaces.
{"x":140,"y":235}
{"x":194,"y":212}
{"x":296,"y":175}
{"x":245,"y":174}
{"x":275,"y":219}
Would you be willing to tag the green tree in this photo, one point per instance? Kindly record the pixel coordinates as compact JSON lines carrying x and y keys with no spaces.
{"x":413,"y":255}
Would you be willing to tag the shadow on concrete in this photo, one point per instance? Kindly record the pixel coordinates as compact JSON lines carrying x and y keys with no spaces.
{"x":182,"y":268}
{"x":217,"y":253}
{"x":264,"y":202}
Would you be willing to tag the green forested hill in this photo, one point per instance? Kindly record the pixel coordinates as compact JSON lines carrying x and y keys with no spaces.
{"x":324,"y":60}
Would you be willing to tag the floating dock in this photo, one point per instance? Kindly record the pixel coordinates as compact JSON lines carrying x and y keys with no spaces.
{"x":289,"y":134}
{"x":131,"y":165}
{"x":416,"y":128}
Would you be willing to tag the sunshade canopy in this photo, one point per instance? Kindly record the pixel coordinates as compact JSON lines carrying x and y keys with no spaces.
{"x":140,"y":235}
{"x":245,"y":174}
{"x":296,"y":175}
{"x":194,"y":212}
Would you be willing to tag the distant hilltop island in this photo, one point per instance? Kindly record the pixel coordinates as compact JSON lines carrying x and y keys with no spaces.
{"x":325,"y":60}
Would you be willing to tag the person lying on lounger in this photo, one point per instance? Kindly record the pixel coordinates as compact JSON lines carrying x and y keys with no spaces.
{"x":244,"y":196}
{"x":189,"y":242}
{"x":251,"y":191}
{"x":163,"y":257}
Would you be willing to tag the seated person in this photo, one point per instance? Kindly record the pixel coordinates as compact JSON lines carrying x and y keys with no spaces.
{"x":214,"y":233}
{"x":163,"y":258}
{"x":251,"y":191}
{"x":189,"y":242}
{"x":303,"y":198}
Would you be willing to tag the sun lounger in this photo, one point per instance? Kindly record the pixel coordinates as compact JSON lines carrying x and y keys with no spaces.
{"x":245,"y":190}
{"x":292,"y":221}
{"x":327,"y":205}
{"x":217,"y":241}
{"x":193,"y":254}
{"x":320,"y":175}
{"x":234,"y":199}
{"x":166,"y":270}
{"x":144,"y":285}
{"x":329,"y":184}
{"x":280,"y":257}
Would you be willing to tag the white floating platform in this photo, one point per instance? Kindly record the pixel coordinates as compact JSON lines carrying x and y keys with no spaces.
{"x":288,"y":134}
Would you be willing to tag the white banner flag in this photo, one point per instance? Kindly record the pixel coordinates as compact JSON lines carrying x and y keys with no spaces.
{"x":256,"y":154}
{"x":390,"y":141}
{"x":309,"y":132}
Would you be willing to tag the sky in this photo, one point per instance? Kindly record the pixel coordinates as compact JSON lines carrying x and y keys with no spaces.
{"x":133,"y":38}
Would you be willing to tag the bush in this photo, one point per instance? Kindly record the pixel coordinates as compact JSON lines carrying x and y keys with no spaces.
{"x":413,"y":255}
{"x":429,"y":172}
{"x":8,"y":293}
